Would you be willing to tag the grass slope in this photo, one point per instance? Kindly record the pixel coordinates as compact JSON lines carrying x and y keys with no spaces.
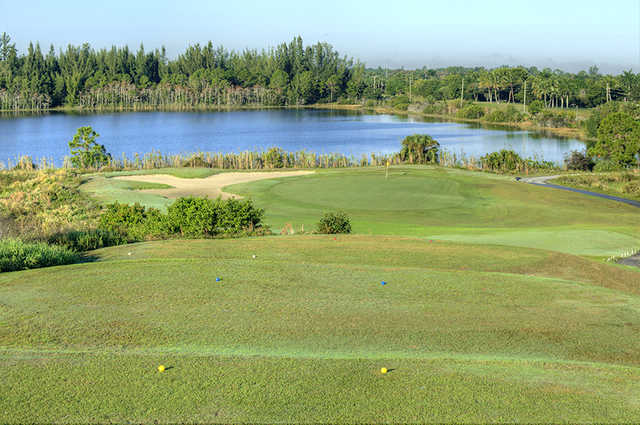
{"x":472,"y":333}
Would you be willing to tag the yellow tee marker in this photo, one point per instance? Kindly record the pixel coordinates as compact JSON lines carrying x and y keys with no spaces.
{"x":383,"y":370}
{"x":161,"y":368}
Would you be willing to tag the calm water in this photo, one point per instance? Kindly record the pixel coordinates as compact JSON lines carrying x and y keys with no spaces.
{"x":314,"y":130}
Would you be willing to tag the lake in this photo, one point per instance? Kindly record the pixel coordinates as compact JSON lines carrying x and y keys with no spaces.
{"x":47,"y":135}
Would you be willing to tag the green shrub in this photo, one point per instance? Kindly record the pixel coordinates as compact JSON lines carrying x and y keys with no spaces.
{"x":577,"y":160}
{"x":509,"y":161}
{"x":196,"y":161}
{"x":18,"y":255}
{"x":132,"y":223}
{"x":199,"y":217}
{"x":549,"y":118}
{"x":618,"y":140}
{"x":420,"y":149}
{"x":274,"y":158}
{"x":535,"y":107}
{"x":334,"y":223}
{"x":471,"y":112}
{"x":606,"y":165}
{"x":86,"y":240}
{"x":192,"y":217}
{"x":437,"y":108}
{"x":237,"y":216}
{"x":513,"y":114}
{"x":497,"y":116}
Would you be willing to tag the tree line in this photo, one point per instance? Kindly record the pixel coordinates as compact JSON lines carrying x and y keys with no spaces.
{"x":289,"y":74}
{"x":554,"y":88}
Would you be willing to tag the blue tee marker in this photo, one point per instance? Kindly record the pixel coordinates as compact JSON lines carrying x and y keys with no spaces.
{"x":383,"y":283}
{"x":218,"y":279}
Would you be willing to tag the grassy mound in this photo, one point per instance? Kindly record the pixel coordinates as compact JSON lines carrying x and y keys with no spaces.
{"x":300,"y":332}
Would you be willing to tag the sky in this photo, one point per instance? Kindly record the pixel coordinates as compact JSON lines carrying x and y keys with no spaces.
{"x":567,"y":34}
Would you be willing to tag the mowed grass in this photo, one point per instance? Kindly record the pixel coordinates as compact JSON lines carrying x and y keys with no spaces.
{"x":298,"y":334}
{"x":451,"y":205}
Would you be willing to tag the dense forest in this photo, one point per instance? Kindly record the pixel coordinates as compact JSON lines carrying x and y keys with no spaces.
{"x":289,"y":74}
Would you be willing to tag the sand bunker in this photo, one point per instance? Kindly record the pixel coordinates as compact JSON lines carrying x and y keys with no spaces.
{"x":208,"y":187}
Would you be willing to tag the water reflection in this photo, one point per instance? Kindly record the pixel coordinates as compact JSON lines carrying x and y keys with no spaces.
{"x":348,"y":132}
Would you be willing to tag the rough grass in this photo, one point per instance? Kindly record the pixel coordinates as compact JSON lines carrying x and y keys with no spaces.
{"x":625,"y":184}
{"x":472,"y":333}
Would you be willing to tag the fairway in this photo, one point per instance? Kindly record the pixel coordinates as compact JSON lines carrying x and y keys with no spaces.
{"x":299,"y":333}
{"x":452,"y":205}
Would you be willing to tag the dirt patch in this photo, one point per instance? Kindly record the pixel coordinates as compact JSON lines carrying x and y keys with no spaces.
{"x":208,"y":187}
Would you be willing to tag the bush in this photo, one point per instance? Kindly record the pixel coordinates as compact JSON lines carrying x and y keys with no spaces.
{"x":86,"y":240}
{"x":333,"y":223}
{"x":497,"y":116}
{"x":199,"y":217}
{"x":606,"y":165}
{"x":509,"y":114}
{"x":471,"y":112}
{"x":196,"y":161}
{"x":513,"y":115}
{"x":420,"y":149}
{"x":437,"y":108}
{"x":18,"y":255}
{"x":535,"y":107}
{"x":132,"y":223}
{"x":236,"y":216}
{"x":618,"y":140}
{"x":549,"y":118}
{"x":508,"y":160}
{"x":274,"y":158}
{"x":577,"y":160}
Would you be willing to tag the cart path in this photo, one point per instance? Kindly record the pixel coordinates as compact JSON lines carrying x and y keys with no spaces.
{"x":542,"y":181}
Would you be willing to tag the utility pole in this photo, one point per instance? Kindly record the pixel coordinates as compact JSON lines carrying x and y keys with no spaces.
{"x":525,"y":96}
{"x":410,"y":83}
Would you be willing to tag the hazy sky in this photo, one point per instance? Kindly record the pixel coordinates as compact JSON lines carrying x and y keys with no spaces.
{"x":568,"y":34}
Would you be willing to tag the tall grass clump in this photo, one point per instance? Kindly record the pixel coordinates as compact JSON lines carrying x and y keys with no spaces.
{"x":18,"y":255}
